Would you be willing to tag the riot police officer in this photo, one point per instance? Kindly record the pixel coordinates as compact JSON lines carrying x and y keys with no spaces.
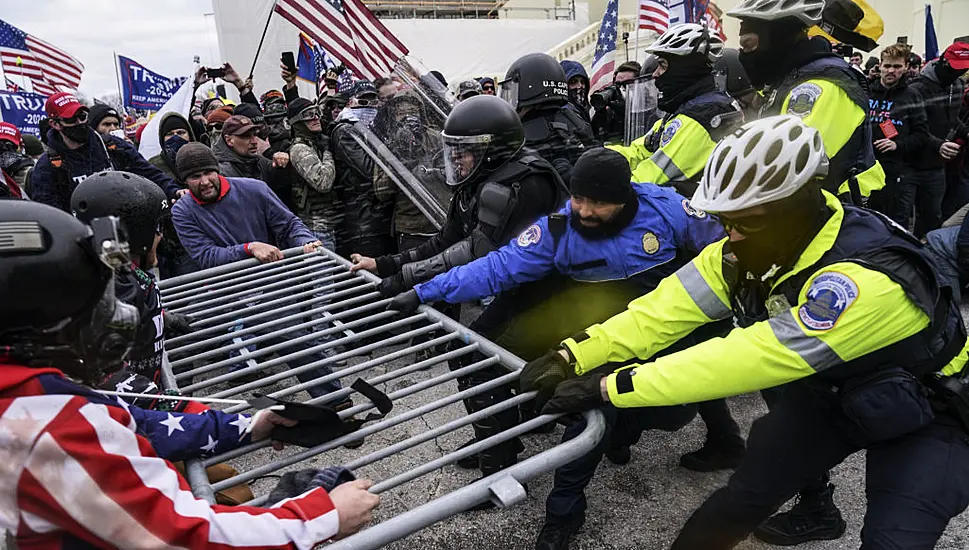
{"x":500,"y":188}
{"x":697,"y":115}
{"x":536,"y":87}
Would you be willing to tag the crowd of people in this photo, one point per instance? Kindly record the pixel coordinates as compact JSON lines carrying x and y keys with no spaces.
{"x":716,"y":221}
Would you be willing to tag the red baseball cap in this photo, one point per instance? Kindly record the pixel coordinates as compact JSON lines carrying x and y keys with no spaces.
{"x":10,"y":133}
{"x":957,"y":55}
{"x":62,"y":105}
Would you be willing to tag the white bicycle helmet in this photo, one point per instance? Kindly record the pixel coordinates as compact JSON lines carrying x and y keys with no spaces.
{"x":686,"y":39}
{"x":762,"y":162}
{"x":805,"y":11}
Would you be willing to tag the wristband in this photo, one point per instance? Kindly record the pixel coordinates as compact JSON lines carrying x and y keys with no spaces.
{"x":246,"y":248}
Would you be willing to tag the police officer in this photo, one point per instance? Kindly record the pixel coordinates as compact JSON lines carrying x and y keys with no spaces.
{"x":141,"y":207}
{"x":836,"y":302}
{"x":313,"y":196}
{"x":613,"y":242}
{"x":536,"y":87}
{"x":500,"y":188}
{"x":807,"y":80}
{"x":697,"y":115}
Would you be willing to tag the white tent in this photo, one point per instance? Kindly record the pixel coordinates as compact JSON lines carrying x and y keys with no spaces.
{"x":459,"y":48}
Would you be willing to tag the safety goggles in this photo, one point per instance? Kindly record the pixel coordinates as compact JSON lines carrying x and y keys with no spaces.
{"x":80,"y":117}
{"x":307,"y":115}
{"x":367,"y":101}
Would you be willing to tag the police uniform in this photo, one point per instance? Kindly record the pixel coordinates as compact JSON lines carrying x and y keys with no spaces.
{"x":827,"y":94}
{"x":860,"y":320}
{"x":559,"y":135}
{"x":675,"y":151}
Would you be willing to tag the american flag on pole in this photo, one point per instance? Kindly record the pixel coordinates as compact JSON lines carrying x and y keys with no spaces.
{"x":654,"y":15}
{"x":46,"y":65}
{"x":351,"y":33}
{"x":11,"y":85}
{"x":604,"y":61}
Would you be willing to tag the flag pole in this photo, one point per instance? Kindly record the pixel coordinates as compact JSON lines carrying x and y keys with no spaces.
{"x":639,"y":28}
{"x":117,"y":77}
{"x":262,"y":38}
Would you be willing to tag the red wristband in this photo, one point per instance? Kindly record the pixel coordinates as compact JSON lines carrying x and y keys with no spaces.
{"x":246,"y":248}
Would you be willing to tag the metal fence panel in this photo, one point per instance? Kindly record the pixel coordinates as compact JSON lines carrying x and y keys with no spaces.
{"x":308,"y":312}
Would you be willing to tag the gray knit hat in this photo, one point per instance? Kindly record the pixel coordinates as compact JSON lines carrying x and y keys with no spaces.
{"x":193,"y":158}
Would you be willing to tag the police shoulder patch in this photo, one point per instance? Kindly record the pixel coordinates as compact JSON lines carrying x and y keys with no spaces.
{"x":690,"y":211}
{"x":829,"y":296}
{"x":650,"y":243}
{"x":530,"y":236}
{"x":670,"y":131}
{"x":803,"y":98}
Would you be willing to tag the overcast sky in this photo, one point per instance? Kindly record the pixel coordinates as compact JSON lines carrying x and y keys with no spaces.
{"x":162,"y":35}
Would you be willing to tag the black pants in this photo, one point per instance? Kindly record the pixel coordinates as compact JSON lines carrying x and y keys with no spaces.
{"x":922,"y":190}
{"x":915,"y":483}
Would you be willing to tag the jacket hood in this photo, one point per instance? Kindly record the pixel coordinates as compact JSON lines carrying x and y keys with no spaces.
{"x":161,"y":124}
{"x":899,"y":87}
{"x":574,"y":68}
{"x":929,"y":72}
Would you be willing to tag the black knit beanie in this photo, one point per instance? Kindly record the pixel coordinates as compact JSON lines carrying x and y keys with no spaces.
{"x":101,"y":111}
{"x":603,"y":175}
{"x":193,"y":158}
{"x":173,"y":123}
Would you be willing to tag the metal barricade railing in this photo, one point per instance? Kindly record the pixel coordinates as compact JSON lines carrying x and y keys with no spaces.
{"x":338,"y":316}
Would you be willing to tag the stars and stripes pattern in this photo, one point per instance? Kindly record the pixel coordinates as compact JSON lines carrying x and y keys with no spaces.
{"x":47,"y":66}
{"x":84,"y":468}
{"x":345,"y":81}
{"x":654,"y":15}
{"x":11,"y":85}
{"x":350,"y":31}
{"x":604,"y":61}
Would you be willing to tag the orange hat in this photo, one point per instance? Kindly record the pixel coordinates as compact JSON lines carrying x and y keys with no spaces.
{"x":221,"y":114}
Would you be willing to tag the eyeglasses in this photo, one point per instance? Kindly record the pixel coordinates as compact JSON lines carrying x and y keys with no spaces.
{"x":80,"y":117}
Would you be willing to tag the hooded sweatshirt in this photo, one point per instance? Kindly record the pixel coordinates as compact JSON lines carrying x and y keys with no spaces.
{"x":574,"y":68}
{"x":161,"y":160}
{"x":899,"y":107}
{"x":942,"y":104}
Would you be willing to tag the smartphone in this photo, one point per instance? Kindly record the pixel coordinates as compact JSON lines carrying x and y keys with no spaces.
{"x":119,"y":133}
{"x":289,"y":60}
{"x":218,"y":72}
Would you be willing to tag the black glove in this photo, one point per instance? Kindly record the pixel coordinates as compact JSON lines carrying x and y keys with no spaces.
{"x":176,"y":324}
{"x":405,"y":302}
{"x":293,"y":484}
{"x":392,"y":286}
{"x":573,"y":396}
{"x":544,"y":374}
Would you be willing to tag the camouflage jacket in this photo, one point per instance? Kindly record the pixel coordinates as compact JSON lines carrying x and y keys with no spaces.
{"x":314,"y":199}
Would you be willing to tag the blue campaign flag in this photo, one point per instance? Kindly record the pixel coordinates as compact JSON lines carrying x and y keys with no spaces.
{"x":312,"y":60}
{"x":24,"y":110}
{"x":144,"y":89}
{"x":931,"y":42}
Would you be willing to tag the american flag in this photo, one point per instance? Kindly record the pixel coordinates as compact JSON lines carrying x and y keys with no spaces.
{"x":345,"y":82}
{"x":46,"y":65}
{"x":654,"y":15}
{"x":351,"y":33}
{"x":604,"y":61}
{"x":11,"y":85}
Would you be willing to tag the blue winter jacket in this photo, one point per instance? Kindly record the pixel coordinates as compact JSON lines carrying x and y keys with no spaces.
{"x":53,"y":186}
{"x":665,"y":233}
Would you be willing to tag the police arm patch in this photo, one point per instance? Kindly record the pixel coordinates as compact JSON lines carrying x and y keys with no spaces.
{"x":530,"y":236}
{"x":802,"y":99}
{"x":829,"y":296}
{"x":670,"y":131}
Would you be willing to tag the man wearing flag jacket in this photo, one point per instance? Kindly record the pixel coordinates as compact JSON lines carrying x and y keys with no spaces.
{"x":83,"y":470}
{"x":697,"y":115}
{"x":77,"y":151}
{"x":835,"y":303}
{"x":610,"y":244}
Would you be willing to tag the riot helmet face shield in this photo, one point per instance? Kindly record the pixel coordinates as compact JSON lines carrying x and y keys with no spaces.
{"x":509,"y":91}
{"x":642,"y":100}
{"x":463,"y":156}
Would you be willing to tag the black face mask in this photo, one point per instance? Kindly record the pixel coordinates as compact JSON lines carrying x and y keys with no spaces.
{"x":683,"y":72}
{"x":947,"y":75}
{"x":78,"y":133}
{"x":172,"y":145}
{"x":579,"y":96}
{"x":609,"y":228}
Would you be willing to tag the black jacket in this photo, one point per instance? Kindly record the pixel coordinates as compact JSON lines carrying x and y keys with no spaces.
{"x":232,"y":165}
{"x":903,"y":106}
{"x":942,"y":104}
{"x":364,"y":217}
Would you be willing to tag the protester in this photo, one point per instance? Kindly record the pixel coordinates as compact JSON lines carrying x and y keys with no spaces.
{"x":855,"y":61}
{"x":487,"y":85}
{"x":535,"y":86}
{"x":53,"y":342}
{"x":77,"y":151}
{"x":468,"y":88}
{"x":331,"y":106}
{"x":104,"y":119}
{"x":386,"y":88}
{"x":941,"y":88}
{"x":228,"y":218}
{"x":239,"y":151}
{"x":14,"y":162}
{"x":365,"y":225}
{"x":577,"y":80}
{"x":626,"y":72}
{"x":33,"y":147}
{"x":314,"y":200}
{"x":213,"y":124}
{"x":900,"y":131}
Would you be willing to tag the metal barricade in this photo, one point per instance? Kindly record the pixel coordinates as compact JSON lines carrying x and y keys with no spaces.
{"x":339,"y":318}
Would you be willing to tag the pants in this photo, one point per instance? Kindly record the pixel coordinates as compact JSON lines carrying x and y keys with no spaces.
{"x":915,"y":483}
{"x":956,"y":186}
{"x":922,"y":190}
{"x":566,"y":503}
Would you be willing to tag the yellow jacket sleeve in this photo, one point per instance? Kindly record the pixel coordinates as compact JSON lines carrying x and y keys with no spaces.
{"x":684,"y":149}
{"x":636,"y":151}
{"x":844,"y":311}
{"x":824,"y":106}
{"x":693,"y":296}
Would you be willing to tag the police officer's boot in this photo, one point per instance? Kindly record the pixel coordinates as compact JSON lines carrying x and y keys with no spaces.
{"x":813,"y":517}
{"x":556,"y":536}
{"x":717,"y":453}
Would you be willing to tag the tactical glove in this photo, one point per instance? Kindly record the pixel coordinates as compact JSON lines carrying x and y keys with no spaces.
{"x":544,"y":374}
{"x":577,"y":395}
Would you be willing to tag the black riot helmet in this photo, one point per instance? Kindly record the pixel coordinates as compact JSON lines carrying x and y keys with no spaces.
{"x":57,"y":304}
{"x":481,"y":133}
{"x":730,"y":75}
{"x":138,"y":202}
{"x":535,"y":79}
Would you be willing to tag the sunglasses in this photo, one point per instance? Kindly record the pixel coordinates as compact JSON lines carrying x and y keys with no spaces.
{"x":488,"y":88}
{"x":79,"y":117}
{"x":217,"y":126}
{"x":364,"y":102}
{"x":746,"y":226}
